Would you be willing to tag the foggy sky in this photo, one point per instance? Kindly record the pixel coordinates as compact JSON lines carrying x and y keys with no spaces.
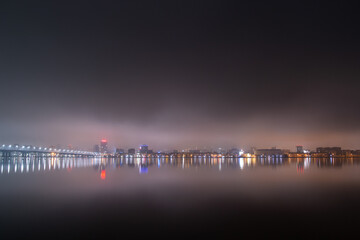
{"x":178,"y":74}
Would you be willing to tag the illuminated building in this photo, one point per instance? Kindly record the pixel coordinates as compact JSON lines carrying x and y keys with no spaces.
{"x":269,"y":152}
{"x":299,"y":149}
{"x":131,"y":151}
{"x":144,"y":148}
{"x":103,"y":146}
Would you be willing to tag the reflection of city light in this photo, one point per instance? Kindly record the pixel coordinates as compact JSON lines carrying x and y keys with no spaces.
{"x":306,"y":163}
{"x":241,"y":163}
{"x":143,"y":170}
{"x":103,"y":174}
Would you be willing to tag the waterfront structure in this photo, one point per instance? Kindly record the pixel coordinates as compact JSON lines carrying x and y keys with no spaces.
{"x":120,"y":151}
{"x":144,"y":148}
{"x":234,"y":151}
{"x":29,"y":150}
{"x":131,"y":151}
{"x":299,"y":149}
{"x":104,"y":146}
{"x":269,"y":152}
{"x":329,"y":150}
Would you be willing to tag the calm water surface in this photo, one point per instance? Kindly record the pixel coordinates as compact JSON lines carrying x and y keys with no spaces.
{"x":224,"y":197}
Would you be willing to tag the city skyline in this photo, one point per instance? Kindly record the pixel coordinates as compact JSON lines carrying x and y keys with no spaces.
{"x":113,"y":150}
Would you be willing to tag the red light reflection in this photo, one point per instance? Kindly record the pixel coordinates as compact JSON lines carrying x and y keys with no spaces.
{"x":103,"y":174}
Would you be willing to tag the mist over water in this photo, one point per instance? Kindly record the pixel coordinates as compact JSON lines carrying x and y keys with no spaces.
{"x":77,"y":197}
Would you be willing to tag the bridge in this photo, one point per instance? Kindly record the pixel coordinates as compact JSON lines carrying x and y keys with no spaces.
{"x":28,"y":150}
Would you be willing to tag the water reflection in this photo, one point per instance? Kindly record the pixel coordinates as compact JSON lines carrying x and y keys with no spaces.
{"x":40,"y":164}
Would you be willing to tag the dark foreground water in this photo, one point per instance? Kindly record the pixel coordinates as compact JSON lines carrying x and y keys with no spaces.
{"x":162,"y":197}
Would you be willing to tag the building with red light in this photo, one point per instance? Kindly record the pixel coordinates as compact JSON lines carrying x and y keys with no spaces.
{"x":103,"y":146}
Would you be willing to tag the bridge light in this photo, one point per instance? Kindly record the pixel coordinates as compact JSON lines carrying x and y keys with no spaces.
{"x":23,"y":147}
{"x":9,"y":146}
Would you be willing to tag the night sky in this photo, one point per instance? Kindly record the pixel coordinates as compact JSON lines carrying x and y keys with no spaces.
{"x":180,"y":74}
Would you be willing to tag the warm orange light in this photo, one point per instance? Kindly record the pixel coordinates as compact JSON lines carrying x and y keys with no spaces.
{"x":103,"y":174}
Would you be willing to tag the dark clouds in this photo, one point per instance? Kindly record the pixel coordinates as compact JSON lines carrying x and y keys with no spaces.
{"x":158,"y":66}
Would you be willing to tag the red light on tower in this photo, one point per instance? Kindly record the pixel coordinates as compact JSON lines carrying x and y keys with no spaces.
{"x":103,"y":140}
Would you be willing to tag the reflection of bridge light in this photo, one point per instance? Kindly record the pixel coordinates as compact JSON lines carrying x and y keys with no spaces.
{"x":103,"y":174}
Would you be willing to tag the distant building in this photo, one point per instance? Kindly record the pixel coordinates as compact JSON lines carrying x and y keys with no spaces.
{"x":221,"y":151}
{"x":252,"y":150}
{"x":144,"y":148}
{"x":103,"y":146}
{"x":329,"y":150}
{"x":268,"y":152}
{"x":234,"y":151}
{"x":131,"y":151}
{"x":120,"y":151}
{"x":299,"y":149}
{"x":96,"y":148}
{"x":285,"y":151}
{"x":347,"y":153}
{"x":356,"y":152}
